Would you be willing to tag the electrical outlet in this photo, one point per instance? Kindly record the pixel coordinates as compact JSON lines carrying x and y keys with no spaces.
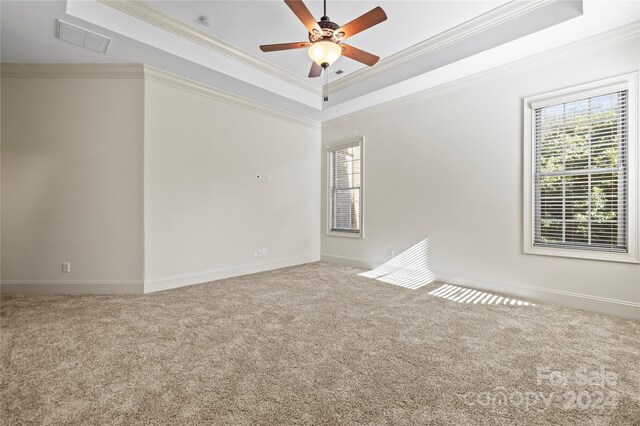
{"x":269,"y":177}
{"x":66,"y":267}
{"x":391,"y":253}
{"x":260,"y":252}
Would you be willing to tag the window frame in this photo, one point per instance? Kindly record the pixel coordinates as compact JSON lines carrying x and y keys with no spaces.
{"x":627,"y":82}
{"x":346,"y":143}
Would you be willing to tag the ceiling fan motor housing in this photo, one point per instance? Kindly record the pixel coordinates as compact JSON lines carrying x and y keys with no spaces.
{"x":328,"y":31}
{"x":326,"y":37}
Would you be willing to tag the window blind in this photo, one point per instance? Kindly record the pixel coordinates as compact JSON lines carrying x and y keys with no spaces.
{"x":345,"y":189}
{"x":581,"y":169}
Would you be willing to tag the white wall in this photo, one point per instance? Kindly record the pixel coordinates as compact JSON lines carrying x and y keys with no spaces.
{"x":448,"y":167}
{"x":72,"y":184}
{"x":205,"y":211}
{"x":147,"y":183}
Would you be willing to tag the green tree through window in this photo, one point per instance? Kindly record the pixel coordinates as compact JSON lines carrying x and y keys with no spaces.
{"x":581,"y":173}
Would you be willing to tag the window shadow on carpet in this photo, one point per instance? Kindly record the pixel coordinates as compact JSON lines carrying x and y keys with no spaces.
{"x":467,"y":295}
{"x":409,"y":269}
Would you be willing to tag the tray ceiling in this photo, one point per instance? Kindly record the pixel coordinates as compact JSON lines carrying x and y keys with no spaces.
{"x":247,"y":24}
{"x":422,"y":44}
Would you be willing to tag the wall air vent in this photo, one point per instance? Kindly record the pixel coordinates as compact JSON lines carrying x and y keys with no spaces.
{"x":81,"y":37}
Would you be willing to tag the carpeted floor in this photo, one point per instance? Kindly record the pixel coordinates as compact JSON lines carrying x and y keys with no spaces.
{"x":313,"y":344}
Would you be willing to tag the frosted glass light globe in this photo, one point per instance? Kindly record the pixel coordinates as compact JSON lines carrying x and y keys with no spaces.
{"x":324,"y":52}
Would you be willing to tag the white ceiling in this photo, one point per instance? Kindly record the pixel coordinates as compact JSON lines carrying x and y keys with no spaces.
{"x":450,"y":39}
{"x":248,"y":24}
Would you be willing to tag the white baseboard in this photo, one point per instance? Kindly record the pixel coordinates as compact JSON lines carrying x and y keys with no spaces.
{"x":167,"y":283}
{"x":349,"y":261}
{"x":558,"y":297}
{"x":71,"y":287}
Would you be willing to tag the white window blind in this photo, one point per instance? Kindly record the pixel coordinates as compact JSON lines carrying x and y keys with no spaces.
{"x":581,"y":173}
{"x":345,"y":189}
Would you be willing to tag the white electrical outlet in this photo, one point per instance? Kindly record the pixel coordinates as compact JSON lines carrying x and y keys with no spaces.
{"x":66,"y":267}
{"x":390,"y":253}
{"x":264,"y":251}
{"x":269,"y":177}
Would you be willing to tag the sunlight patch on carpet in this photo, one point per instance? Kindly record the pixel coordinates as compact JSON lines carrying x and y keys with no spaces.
{"x":409,"y":269}
{"x":468,"y":295}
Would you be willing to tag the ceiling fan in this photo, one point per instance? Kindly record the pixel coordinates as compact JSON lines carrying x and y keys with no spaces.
{"x":325,"y":38}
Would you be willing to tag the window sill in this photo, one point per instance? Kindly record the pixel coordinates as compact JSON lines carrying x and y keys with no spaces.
{"x":345,"y":234}
{"x":582,"y":254}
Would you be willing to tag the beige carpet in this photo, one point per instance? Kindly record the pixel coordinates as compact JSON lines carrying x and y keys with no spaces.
{"x":314,"y":344}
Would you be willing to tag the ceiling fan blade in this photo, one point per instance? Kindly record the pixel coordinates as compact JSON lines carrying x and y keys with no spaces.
{"x":284,"y":46}
{"x":315,"y":71}
{"x":303,"y":14}
{"x":368,"y":20}
{"x":359,"y":55}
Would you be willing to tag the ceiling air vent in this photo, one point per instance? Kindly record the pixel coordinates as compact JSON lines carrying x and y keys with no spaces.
{"x":81,"y":37}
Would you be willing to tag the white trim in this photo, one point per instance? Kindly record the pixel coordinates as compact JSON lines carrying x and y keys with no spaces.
{"x":154,"y":74}
{"x":356,"y":140}
{"x":591,"y":89}
{"x":176,"y":281}
{"x":42,"y":70}
{"x":600,"y":41}
{"x":349,"y":261}
{"x":135,"y":71}
{"x":139,"y":10}
{"x":345,"y":143}
{"x":626,"y":81}
{"x":558,"y":297}
{"x":71,"y":287}
{"x":470,"y":28}
{"x":562,"y":53}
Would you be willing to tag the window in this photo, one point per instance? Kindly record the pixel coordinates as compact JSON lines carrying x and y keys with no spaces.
{"x":581,"y":164}
{"x":345,"y":172}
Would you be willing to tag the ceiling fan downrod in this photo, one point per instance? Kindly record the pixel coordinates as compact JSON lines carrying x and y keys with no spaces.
{"x":325,"y":66}
{"x":325,"y":39}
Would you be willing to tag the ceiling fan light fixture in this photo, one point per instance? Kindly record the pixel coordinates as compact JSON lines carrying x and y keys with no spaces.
{"x":324,"y":53}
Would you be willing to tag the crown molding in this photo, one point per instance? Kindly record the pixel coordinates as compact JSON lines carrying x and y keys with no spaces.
{"x":590,"y":44}
{"x":140,"y":71}
{"x":161,"y":20}
{"x":154,"y":74}
{"x":14,"y":70}
{"x":470,"y":28}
